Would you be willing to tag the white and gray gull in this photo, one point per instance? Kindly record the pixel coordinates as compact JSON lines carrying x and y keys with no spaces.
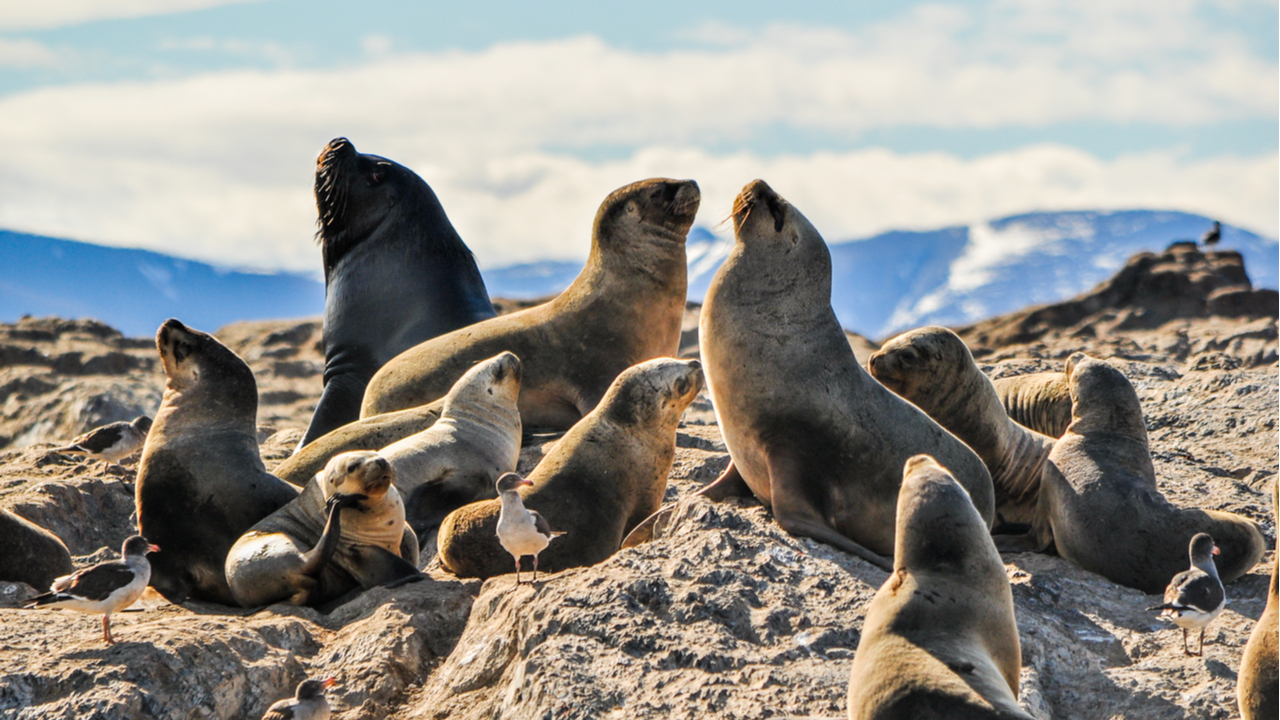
{"x":113,"y":442}
{"x":104,"y":588}
{"x":308,"y":702}
{"x":522,"y":532}
{"x":1195,"y":596}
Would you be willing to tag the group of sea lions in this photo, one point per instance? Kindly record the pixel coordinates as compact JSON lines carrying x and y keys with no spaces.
{"x":910,"y":463}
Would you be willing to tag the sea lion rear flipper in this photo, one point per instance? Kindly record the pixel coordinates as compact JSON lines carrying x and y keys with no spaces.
{"x":729,"y":484}
{"x":792,"y":512}
{"x":372,"y":566}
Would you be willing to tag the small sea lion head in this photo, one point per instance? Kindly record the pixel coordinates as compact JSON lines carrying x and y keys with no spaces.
{"x":654,"y":392}
{"x":489,"y":383}
{"x":1102,"y":398}
{"x":194,"y":359}
{"x":657,"y":205}
{"x":911,"y":362}
{"x":938,"y":528}
{"x":360,"y":472}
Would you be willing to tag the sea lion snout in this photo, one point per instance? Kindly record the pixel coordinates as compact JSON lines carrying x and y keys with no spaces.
{"x":757,"y":194}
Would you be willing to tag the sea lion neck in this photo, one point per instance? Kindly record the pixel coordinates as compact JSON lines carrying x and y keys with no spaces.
{"x":932,"y":500}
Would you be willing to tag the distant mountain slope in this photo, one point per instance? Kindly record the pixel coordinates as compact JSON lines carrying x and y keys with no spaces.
{"x":136,"y":290}
{"x":881,"y":285}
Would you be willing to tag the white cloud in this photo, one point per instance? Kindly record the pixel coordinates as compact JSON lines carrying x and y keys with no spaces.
{"x":219,"y":166}
{"x":25,"y":53}
{"x":43,"y":14}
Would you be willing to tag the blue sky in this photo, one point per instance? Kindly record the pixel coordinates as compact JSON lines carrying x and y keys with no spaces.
{"x":191,"y":126}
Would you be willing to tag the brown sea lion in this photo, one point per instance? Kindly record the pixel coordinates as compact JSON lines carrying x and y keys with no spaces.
{"x":940,"y":640}
{"x":29,"y":553}
{"x":1039,"y":401}
{"x":811,"y":434}
{"x":345,"y":531}
{"x":201,"y":482}
{"x":932,"y":368}
{"x":1100,"y":503}
{"x":1258,"y":686}
{"x":603,"y":477}
{"x":395,"y":274}
{"x":625,"y":307}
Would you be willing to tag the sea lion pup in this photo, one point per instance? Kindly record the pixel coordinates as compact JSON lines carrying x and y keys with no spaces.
{"x":1098,"y":496}
{"x":395,"y":274}
{"x":809,"y":431}
{"x":29,"y":553}
{"x":201,"y":482}
{"x":295,"y":555}
{"x":932,"y":368}
{"x":458,"y":459}
{"x":625,"y":307}
{"x":1258,"y":688}
{"x":1037,"y":401}
{"x":606,"y":474}
{"x":939,"y":639}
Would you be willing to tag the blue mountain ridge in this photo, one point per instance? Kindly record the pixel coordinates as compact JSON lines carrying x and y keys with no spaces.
{"x":881,"y":285}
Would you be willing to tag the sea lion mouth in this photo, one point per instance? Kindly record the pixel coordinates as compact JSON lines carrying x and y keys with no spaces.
{"x":332,"y":170}
{"x":755,"y":193}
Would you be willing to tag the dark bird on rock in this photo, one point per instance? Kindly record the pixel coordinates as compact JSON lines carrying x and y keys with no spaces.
{"x":308,"y":702}
{"x":104,"y":588}
{"x":1195,"y":597}
{"x":1211,"y":237}
{"x":522,"y":532}
{"x":113,"y":442}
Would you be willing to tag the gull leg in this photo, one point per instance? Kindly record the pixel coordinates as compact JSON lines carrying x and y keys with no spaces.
{"x":517,"y":569}
{"x":106,"y":629}
{"x":535,"y":569}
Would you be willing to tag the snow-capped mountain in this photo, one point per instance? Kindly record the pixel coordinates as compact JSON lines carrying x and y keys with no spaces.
{"x":880,"y":285}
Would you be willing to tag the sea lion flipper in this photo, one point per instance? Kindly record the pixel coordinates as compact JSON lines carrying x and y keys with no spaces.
{"x":375,"y":566}
{"x":729,"y":484}
{"x":796,"y":517}
{"x":318,"y":557}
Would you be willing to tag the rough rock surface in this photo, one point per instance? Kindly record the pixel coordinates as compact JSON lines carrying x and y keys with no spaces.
{"x":725,"y":616}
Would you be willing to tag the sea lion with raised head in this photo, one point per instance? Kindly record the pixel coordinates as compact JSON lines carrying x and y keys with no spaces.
{"x":345,"y":531}
{"x":1099,"y":500}
{"x":812,"y":435}
{"x":933,"y":368}
{"x":201,"y":482}
{"x":396,"y":273}
{"x":940,"y":640}
{"x":603,"y":477}
{"x":625,"y":307}
{"x":1037,"y":401}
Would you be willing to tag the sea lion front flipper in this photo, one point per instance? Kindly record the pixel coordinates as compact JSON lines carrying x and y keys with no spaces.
{"x":372,"y":566}
{"x":801,"y":520}
{"x":409,"y":546}
{"x":318,"y":557}
{"x":729,"y":484}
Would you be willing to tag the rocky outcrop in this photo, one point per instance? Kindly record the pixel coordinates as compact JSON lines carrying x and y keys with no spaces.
{"x":725,"y":616}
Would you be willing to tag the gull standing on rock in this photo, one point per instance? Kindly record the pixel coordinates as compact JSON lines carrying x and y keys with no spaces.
{"x":1195,"y":597}
{"x":522,"y":532}
{"x":113,"y":442}
{"x":104,"y":588}
{"x":308,"y":702}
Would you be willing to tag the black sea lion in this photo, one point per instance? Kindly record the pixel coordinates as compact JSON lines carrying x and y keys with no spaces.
{"x":29,"y":553}
{"x":933,"y":368}
{"x":395,"y":272}
{"x":1100,"y":503}
{"x":1258,"y":688}
{"x":625,"y":307}
{"x":603,"y":477}
{"x":940,"y":640}
{"x":201,"y":482}
{"x":295,"y":555}
{"x":812,"y":434}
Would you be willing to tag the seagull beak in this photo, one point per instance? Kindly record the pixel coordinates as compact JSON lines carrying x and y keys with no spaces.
{"x":1216,"y":551}
{"x":526,"y":481}
{"x":329,"y":682}
{"x":153,"y":548}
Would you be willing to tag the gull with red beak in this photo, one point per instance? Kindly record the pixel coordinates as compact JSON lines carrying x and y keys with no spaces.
{"x":522,"y":532}
{"x":1195,"y":597}
{"x":104,"y":588}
